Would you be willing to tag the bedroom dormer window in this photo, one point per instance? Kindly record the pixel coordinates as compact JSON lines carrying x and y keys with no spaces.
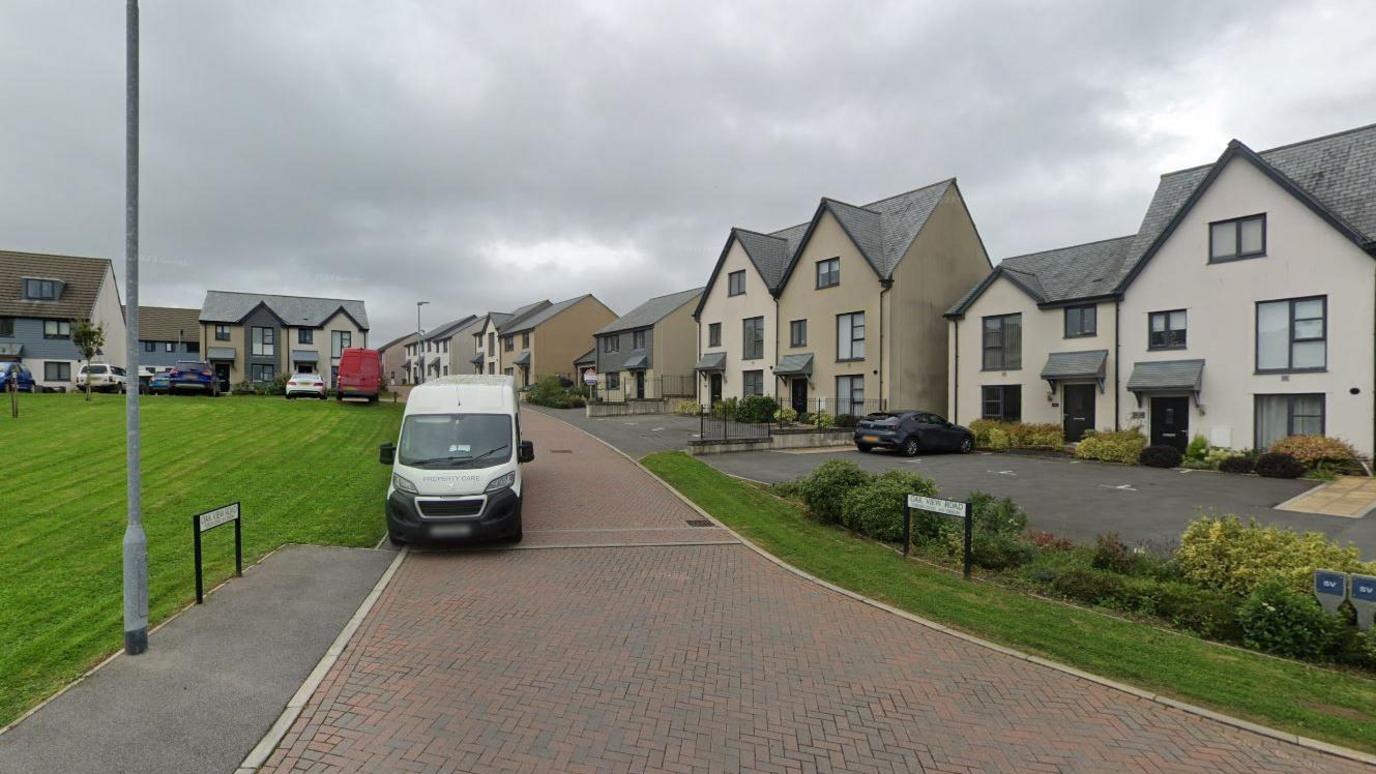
{"x":41,"y":289}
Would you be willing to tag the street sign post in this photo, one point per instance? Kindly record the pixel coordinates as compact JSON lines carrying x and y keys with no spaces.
{"x":1363,"y":598}
{"x":1330,"y":586}
{"x":958,"y":509}
{"x":204,"y":522}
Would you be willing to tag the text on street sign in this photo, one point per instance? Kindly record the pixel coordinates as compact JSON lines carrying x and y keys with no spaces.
{"x":937,"y":505}
{"x":221,"y":515}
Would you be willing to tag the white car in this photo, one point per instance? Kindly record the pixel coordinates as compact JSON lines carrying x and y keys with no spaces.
{"x":103,"y":377}
{"x":306,"y":386}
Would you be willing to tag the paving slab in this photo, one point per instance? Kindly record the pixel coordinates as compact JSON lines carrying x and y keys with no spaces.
{"x":214,"y":678}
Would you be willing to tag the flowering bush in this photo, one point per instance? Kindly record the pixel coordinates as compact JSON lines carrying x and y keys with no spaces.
{"x":1225,"y":554}
{"x":1310,"y":450}
{"x":1122,"y":446}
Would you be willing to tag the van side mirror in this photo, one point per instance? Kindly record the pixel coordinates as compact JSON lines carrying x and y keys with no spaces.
{"x":525,"y":452}
{"x":387,"y":453}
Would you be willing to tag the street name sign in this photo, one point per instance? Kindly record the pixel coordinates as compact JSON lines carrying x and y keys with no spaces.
{"x":203,"y":522}
{"x":957,"y":508}
{"x":936,"y":505}
{"x":212,"y":519}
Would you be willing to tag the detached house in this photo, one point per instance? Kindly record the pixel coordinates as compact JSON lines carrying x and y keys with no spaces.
{"x":1242,"y":309}
{"x":255,"y":337}
{"x":168,"y":334}
{"x":841,"y":313}
{"x":649,"y":352}
{"x":543,"y":338}
{"x":42,"y":297}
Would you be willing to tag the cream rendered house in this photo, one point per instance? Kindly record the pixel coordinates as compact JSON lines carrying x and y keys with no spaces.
{"x":1245,"y":304}
{"x":842,"y":313}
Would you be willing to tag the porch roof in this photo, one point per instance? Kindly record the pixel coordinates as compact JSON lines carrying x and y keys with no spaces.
{"x":795,"y":365}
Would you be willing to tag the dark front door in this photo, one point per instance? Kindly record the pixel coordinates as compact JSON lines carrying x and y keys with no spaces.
{"x":640,"y":384}
{"x":797,"y":394}
{"x":714,"y":389}
{"x":1077,"y":410}
{"x":222,"y":376}
{"x":1170,"y":422}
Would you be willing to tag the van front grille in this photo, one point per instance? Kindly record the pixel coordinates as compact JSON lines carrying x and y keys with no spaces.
{"x":446,"y":508}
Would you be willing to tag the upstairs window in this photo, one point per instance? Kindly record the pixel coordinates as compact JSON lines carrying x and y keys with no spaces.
{"x":1166,"y":330}
{"x":797,"y":333}
{"x":193,"y":347}
{"x":1081,"y":321}
{"x":1232,"y":240}
{"x":752,"y":382}
{"x":342,"y":340}
{"x":611,"y":343}
{"x":305,"y":336}
{"x":850,"y":336}
{"x":509,"y":343}
{"x":752,"y":346}
{"x":40,"y":289}
{"x":491,"y":342}
{"x":1292,"y":334}
{"x":525,"y":341}
{"x":714,"y":334}
{"x":638,"y":340}
{"x":57,"y":329}
{"x":735,"y":283}
{"x":1003,"y":342}
{"x":264,"y":343}
{"x":222,"y":333}
{"x":829,"y":273}
{"x":169,"y":346}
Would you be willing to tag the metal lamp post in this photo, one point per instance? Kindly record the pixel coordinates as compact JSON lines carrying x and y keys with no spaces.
{"x":135,"y":541}
{"x":420,"y":343}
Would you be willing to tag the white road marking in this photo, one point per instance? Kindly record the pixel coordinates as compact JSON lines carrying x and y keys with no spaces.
{"x":656,"y":429}
{"x":1002,"y":473}
{"x":1120,"y":487}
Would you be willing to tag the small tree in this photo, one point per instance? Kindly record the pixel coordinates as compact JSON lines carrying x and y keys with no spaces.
{"x":88,"y":338}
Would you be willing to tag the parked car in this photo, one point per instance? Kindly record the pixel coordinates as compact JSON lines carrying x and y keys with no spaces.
{"x":160,"y":383}
{"x":103,"y":377}
{"x":306,"y":386}
{"x":911,"y":432}
{"x":146,"y":374}
{"x":360,"y":371}
{"x":23,"y":379}
{"x":193,"y":376}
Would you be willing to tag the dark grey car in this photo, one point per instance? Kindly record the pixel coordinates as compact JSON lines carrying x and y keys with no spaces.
{"x":911,"y":432}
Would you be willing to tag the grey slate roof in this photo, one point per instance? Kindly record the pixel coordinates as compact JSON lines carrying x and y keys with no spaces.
{"x":1158,"y":375}
{"x":447,"y":330}
{"x":81,"y":278}
{"x":712,"y":361}
{"x":1075,"y":365}
{"x":519,"y":316}
{"x":538,"y":316}
{"x":1064,"y":274}
{"x":795,"y":365}
{"x":522,"y":359}
{"x":587,"y":358}
{"x":650,"y":312}
{"x":223,"y":306}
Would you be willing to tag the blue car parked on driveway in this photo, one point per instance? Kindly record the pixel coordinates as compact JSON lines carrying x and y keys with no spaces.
{"x":21,"y":376}
{"x":193,"y":376}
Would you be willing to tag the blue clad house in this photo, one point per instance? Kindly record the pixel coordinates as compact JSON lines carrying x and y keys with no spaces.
{"x":168,"y":334}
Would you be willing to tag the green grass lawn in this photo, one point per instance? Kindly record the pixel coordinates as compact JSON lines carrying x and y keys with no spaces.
{"x":305,"y":472}
{"x":1325,"y":704}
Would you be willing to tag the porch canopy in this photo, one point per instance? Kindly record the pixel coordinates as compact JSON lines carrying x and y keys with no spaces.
{"x":589,"y":358}
{"x":220,"y":353}
{"x":794,"y":365}
{"x":636,"y":363}
{"x":305,"y":356}
{"x":523,"y":360}
{"x":712,"y":361}
{"x":475,"y":360}
{"x":1065,"y":366}
{"x":1155,"y":376}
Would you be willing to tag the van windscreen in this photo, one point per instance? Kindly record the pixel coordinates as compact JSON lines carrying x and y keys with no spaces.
{"x":451,"y":441}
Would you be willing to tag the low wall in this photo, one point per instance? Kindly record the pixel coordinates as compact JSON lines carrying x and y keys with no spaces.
{"x":781,"y":439}
{"x":632,"y":407}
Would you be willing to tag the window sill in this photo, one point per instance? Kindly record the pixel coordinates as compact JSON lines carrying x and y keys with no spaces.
{"x":850,"y":359}
{"x":797,"y":346}
{"x":1000,"y":370}
{"x":1282,"y":371}
{"x":1089,"y":335}
{"x":1167,"y":349}
{"x":828,"y":287}
{"x":1236,"y":258}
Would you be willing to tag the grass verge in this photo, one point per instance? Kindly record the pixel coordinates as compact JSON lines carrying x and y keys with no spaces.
{"x":305,"y":472}
{"x":1310,"y":701}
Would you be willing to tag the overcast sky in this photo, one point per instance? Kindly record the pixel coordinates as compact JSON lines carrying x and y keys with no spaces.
{"x":483,"y":155}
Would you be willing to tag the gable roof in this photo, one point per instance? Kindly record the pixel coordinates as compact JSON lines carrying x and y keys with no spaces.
{"x":81,"y":278}
{"x":225,"y":306}
{"x":519,"y":316}
{"x":405,"y":337}
{"x":169,"y":323}
{"x":882,"y":230}
{"x":448,"y":329}
{"x":542,"y":314}
{"x":1090,"y":270}
{"x":650,"y":312}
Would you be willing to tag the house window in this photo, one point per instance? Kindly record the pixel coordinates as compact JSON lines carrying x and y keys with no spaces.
{"x":264,"y":342}
{"x":222,"y":333}
{"x":40,"y":290}
{"x":1292,"y":335}
{"x":1281,"y":416}
{"x":613,"y":380}
{"x":57,"y":329}
{"x":752,"y":382}
{"x":193,"y":347}
{"x":57,"y":372}
{"x":850,"y":395}
{"x":1081,"y":321}
{"x":638,"y":340}
{"x":340,"y":341}
{"x":6,"y":326}
{"x":509,"y":343}
{"x":714,"y":334}
{"x":1232,"y":240}
{"x":850,"y":336}
{"x":150,"y":346}
{"x":491,"y":342}
{"x":797,"y":333}
{"x":1166,"y":330}
{"x":829,"y":273}
{"x":262,"y":372}
{"x":1002,"y":402}
{"x":525,"y":341}
{"x":735,"y":283}
{"x":753,"y":345}
{"x":611,"y":343}
{"x":305,"y":336}
{"x":1003,"y":342}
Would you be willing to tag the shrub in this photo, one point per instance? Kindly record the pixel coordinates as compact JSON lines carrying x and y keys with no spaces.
{"x":1095,"y":587}
{"x":1111,"y":553}
{"x":996,"y":435}
{"x":550,"y":392}
{"x":1122,"y":446}
{"x":1049,"y":542}
{"x":998,"y":439}
{"x":687,"y":408}
{"x":1204,"y":612}
{"x":875,"y":508}
{"x":1277,"y":619}
{"x":1198,"y":448}
{"x":1278,"y":465}
{"x":994,"y":515}
{"x":756,"y":408}
{"x":786,"y":415}
{"x":1311,"y":450}
{"x":846,"y":420}
{"x":822,"y":420}
{"x":725,"y":409}
{"x":1227,"y":555}
{"x":1241,"y":463}
{"x":997,"y":550}
{"x":1160,"y":456}
{"x":824,"y":490}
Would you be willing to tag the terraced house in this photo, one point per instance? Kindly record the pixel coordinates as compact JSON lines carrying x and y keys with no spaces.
{"x":1242,"y":310}
{"x":42,"y":297}
{"x":437,"y":350}
{"x":168,"y":334}
{"x":255,"y":337}
{"x":649,"y":352}
{"x":543,"y":338}
{"x":843,"y":312}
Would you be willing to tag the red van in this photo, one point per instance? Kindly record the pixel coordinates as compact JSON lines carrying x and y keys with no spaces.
{"x":359,"y":371}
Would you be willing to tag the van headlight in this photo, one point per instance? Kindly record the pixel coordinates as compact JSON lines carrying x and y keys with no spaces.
{"x":501,"y":482}
{"x":404,"y":484}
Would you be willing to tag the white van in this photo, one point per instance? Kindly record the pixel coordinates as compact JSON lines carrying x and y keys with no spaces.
{"x":455,"y":467}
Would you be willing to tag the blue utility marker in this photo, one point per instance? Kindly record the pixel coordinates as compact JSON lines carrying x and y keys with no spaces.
{"x":1363,"y":598}
{"x":1331,"y":588}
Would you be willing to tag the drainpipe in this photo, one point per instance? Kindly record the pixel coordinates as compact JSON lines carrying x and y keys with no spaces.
{"x":885,"y":285}
{"x":955,"y":371}
{"x":1117,"y":352}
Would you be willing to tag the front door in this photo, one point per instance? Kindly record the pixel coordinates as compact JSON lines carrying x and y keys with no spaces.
{"x":222,"y":376}
{"x":1170,"y":422}
{"x":797,"y":394}
{"x":1077,"y":410}
{"x":640,"y":384}
{"x":714,"y":389}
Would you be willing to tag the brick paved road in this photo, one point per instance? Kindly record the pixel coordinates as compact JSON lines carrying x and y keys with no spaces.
{"x":700,"y":658}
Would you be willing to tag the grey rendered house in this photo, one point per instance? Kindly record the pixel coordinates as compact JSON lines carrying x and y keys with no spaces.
{"x":649,"y":352}
{"x":168,"y":334}
{"x":436,"y":358}
{"x":42,"y":297}
{"x":254,"y":337}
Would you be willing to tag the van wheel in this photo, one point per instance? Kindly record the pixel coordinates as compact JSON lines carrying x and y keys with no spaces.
{"x":515,"y":536}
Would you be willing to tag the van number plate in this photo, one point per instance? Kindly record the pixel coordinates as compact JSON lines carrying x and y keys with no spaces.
{"x":451,"y":530}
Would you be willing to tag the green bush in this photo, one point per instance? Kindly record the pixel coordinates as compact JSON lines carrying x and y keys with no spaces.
{"x":1278,"y":465}
{"x":875,"y":508}
{"x":997,"y":435}
{"x":1160,"y":456}
{"x":1225,"y":554}
{"x":822,"y":420}
{"x":1094,"y":587}
{"x":1112,"y":554}
{"x":1123,"y":446}
{"x":996,"y":516}
{"x":1277,"y":619}
{"x":550,"y":392}
{"x":824,"y":490}
{"x":1311,"y":450}
{"x":1198,"y":450}
{"x":756,"y":408}
{"x":786,"y":415}
{"x":997,"y":550}
{"x":687,"y":408}
{"x":725,"y":409}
